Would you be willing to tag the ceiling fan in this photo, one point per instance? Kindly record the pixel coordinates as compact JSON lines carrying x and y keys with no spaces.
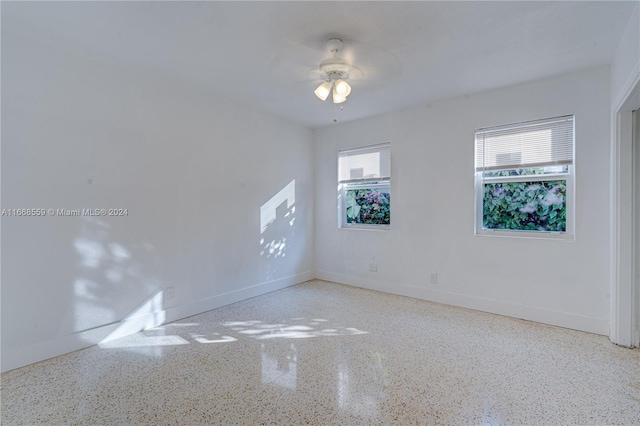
{"x":335,"y":71}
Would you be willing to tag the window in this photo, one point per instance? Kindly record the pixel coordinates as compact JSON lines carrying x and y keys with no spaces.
{"x":364,"y":177}
{"x":524,"y":179}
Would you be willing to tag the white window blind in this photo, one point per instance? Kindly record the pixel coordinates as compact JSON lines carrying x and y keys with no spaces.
{"x":364,"y":164}
{"x":538,"y":143}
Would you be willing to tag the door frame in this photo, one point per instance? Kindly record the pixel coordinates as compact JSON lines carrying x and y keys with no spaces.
{"x":624,"y":244}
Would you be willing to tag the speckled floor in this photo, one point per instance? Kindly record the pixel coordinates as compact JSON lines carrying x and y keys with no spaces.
{"x":323,"y":353}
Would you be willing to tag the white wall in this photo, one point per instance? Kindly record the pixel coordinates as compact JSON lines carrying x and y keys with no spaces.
{"x":626,"y":61}
{"x":196,"y":174}
{"x":556,"y":282}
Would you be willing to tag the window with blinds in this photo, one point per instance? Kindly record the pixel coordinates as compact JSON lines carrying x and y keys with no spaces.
{"x":364,"y":189}
{"x":366,"y":163}
{"x":538,"y":143}
{"x":524,"y":178}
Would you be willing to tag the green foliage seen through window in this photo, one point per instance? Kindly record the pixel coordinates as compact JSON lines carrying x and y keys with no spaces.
{"x":368,"y":206}
{"x":525,"y":206}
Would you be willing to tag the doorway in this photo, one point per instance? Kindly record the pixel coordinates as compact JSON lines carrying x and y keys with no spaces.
{"x":636,"y":215}
{"x":625,"y":219}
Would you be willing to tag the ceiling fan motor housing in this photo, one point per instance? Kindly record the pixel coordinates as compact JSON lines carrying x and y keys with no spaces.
{"x":334,"y":68}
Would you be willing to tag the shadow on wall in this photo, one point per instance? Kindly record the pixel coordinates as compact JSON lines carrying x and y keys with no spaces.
{"x":277,"y":217}
{"x":109,"y":276}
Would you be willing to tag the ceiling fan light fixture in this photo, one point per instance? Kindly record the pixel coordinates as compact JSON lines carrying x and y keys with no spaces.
{"x":337,"y":97}
{"x":335,"y":71}
{"x":323,"y":90}
{"x":342,"y":87}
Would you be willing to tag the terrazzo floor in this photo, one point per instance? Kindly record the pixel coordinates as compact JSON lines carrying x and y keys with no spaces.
{"x":323,"y":353}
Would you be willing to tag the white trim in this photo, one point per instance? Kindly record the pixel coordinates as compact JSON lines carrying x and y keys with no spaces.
{"x":538,"y":235}
{"x":362,"y":183}
{"x":630,"y":85}
{"x":568,"y":235}
{"x":635,"y":289}
{"x":526,"y":178}
{"x":361,"y":147}
{"x":343,"y":187}
{"x":525,"y":124}
{"x":86,"y":338}
{"x":623,"y":310}
{"x":544,"y":316}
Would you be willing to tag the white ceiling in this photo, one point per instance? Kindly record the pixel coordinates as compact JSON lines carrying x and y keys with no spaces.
{"x":260,"y":53}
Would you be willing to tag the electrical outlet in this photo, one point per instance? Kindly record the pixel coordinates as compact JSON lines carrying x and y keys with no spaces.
{"x":373,"y":267}
{"x":434,"y":278}
{"x":169,"y":293}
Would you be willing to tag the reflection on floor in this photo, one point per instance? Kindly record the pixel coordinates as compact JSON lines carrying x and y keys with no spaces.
{"x":323,"y":353}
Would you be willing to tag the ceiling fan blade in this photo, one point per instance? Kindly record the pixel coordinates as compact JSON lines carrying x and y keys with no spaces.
{"x":315,"y":74}
{"x":371,"y":61}
{"x":355,"y":73}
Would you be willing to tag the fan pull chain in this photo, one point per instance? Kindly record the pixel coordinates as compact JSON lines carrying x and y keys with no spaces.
{"x":335,"y":106}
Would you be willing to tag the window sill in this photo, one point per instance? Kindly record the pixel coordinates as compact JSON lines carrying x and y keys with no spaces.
{"x":378,"y":228}
{"x":536,"y":235}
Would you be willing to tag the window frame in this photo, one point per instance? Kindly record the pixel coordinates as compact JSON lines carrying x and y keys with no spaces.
{"x":569,"y":177}
{"x":361,"y":183}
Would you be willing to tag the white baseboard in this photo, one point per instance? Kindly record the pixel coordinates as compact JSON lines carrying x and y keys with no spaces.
{"x":544,"y":316}
{"x":183,"y":311}
{"x":64,"y":344}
